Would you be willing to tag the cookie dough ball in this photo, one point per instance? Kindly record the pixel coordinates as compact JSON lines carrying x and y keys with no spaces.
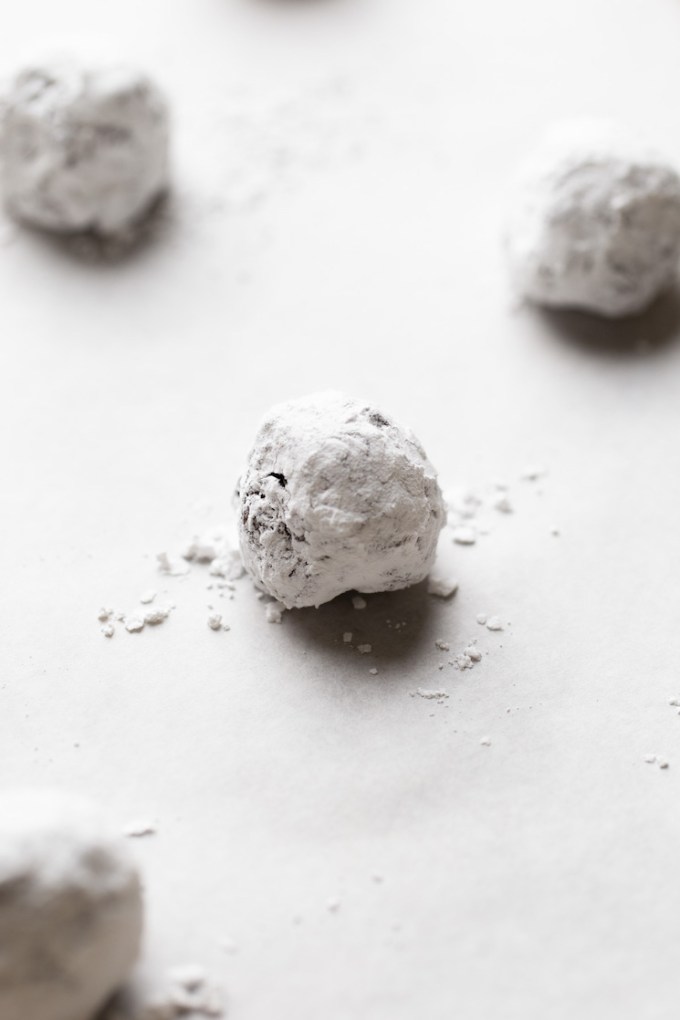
{"x":595,"y":222}
{"x":70,"y":908}
{"x":83,"y":148}
{"x":336,"y":496}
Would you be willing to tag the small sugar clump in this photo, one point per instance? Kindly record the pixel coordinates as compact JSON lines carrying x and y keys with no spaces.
{"x":336,"y":497}
{"x":594,"y":222}
{"x":82,"y":147}
{"x":70,"y":908}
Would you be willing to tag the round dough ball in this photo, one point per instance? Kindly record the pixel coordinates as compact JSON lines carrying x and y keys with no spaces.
{"x":595,"y":222}
{"x":336,"y":497}
{"x":83,"y":148}
{"x":70,"y":908}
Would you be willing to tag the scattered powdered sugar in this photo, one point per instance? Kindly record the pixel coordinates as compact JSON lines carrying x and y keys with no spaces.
{"x":429,"y":695}
{"x":655,"y":759}
{"x":347,"y":637}
{"x":443,"y":646}
{"x":463,"y":661}
{"x":215,"y":622}
{"x":494,"y":623}
{"x":481,"y":618}
{"x":214,"y":550}
{"x":359,"y":602}
{"x":365,"y":649}
{"x":134,"y":622}
{"x":485,"y":741}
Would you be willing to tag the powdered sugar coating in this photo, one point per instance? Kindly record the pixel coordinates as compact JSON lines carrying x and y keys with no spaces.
{"x":83,"y":148}
{"x":594,"y":222}
{"x":336,"y":497}
{"x":70,"y":908}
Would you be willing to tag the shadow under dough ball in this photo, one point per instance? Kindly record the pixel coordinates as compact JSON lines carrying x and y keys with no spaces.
{"x":70,"y":908}
{"x":336,"y":497}
{"x":82,"y":148}
{"x":594,"y":221}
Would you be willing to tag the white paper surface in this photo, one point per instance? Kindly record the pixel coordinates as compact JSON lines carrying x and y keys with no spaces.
{"x":340,"y":169}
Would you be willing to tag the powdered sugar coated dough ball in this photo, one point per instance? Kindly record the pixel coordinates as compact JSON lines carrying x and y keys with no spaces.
{"x":83,"y":148}
{"x":336,"y":497}
{"x":594,"y":222}
{"x":70,"y":908}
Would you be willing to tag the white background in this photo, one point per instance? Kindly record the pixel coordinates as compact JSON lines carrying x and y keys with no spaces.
{"x":340,"y":170}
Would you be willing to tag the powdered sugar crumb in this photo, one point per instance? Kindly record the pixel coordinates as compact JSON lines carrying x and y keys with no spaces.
{"x":133,"y":624}
{"x":155,"y":616}
{"x":138,"y":829}
{"x":532,"y":473}
{"x":440,"y":586}
{"x":503,"y":505}
{"x":464,"y":536}
{"x":170,"y":567}
{"x":274,"y":612}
